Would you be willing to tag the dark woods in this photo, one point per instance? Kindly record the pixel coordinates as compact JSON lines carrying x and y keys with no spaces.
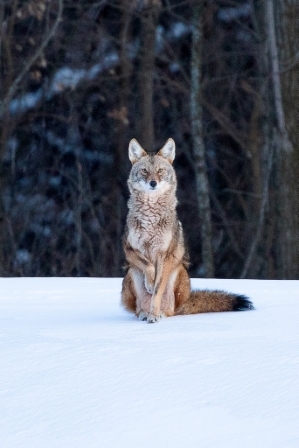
{"x":79,"y":79}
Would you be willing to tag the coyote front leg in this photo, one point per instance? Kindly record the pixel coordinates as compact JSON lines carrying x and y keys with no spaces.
{"x":137,"y":259}
{"x":164,"y":268}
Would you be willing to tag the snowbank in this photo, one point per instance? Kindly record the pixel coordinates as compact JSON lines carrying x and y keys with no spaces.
{"x":77,"y":371}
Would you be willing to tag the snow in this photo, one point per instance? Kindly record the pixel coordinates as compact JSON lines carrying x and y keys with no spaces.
{"x":235,"y":12}
{"x":25,"y":102}
{"x":77,"y":371}
{"x":67,"y":77}
{"x":177,"y":30}
{"x":64,"y":78}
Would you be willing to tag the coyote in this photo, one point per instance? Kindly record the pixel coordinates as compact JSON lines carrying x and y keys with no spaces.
{"x":157,"y":283}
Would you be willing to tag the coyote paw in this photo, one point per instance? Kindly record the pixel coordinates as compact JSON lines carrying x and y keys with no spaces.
{"x":151,"y":318}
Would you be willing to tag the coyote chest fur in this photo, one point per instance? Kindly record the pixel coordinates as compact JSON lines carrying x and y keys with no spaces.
{"x":157,"y":283}
{"x":150,"y":225}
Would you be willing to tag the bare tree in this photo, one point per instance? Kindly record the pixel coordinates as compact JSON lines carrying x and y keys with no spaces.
{"x":149,"y":17}
{"x":18,"y":62}
{"x":202,"y":74}
{"x":283,"y":43}
{"x":200,"y":167}
{"x":260,"y":146}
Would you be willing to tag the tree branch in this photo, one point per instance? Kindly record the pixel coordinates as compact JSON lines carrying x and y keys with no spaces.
{"x":15,"y":85}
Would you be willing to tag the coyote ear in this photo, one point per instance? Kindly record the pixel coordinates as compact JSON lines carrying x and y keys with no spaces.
{"x":168,"y":150}
{"x":135,"y":151}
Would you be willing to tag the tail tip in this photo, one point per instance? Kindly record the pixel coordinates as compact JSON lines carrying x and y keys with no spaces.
{"x":242,"y":303}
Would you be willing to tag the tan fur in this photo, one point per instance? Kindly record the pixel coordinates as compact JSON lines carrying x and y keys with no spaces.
{"x":207,"y":302}
{"x":157,"y":283}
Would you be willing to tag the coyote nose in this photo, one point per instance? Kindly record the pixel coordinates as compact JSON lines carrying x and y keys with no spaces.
{"x":153,"y":184}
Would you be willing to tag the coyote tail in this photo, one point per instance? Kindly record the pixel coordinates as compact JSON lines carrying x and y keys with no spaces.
{"x":206,"y":301}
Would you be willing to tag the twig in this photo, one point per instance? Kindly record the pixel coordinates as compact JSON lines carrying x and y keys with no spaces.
{"x":14,"y":86}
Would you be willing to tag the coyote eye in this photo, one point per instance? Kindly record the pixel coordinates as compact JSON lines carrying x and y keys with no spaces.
{"x":160,"y":171}
{"x":144,"y":171}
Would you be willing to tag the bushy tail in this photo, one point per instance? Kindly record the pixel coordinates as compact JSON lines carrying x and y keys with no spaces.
{"x":214,"y":301}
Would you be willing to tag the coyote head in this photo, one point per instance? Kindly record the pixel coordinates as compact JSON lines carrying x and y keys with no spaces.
{"x":152,"y":174}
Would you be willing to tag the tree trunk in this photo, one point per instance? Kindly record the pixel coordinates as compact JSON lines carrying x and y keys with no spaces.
{"x":202,"y":183}
{"x":258,"y":262}
{"x":283,"y":44}
{"x":120,"y":165}
{"x":149,"y":19}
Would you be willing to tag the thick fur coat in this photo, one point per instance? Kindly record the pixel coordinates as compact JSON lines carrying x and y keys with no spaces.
{"x":157,"y":283}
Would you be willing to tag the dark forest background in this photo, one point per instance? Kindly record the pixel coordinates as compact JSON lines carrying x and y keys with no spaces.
{"x":79,"y":79}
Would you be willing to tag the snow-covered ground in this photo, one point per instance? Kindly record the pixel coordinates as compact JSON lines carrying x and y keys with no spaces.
{"x":77,"y":371}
